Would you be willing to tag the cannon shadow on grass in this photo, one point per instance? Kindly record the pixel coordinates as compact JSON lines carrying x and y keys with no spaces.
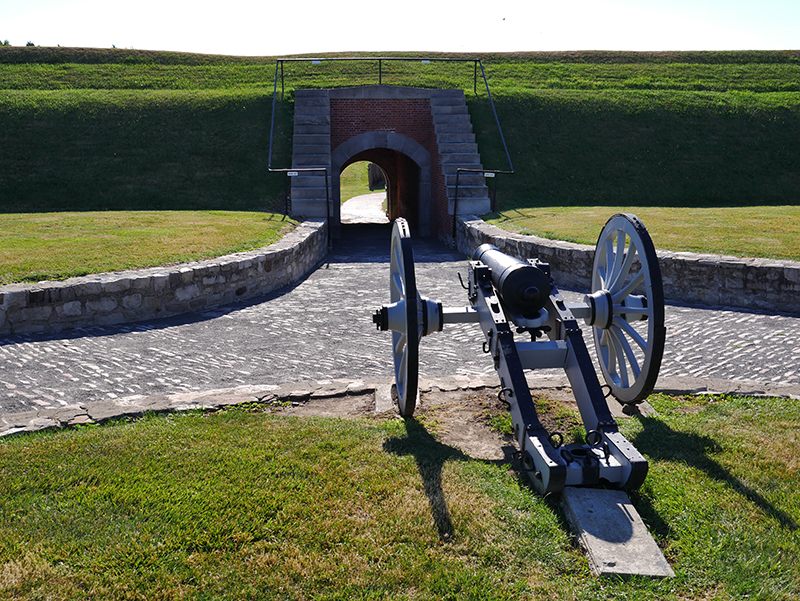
{"x":660,"y":442}
{"x":430,"y":455}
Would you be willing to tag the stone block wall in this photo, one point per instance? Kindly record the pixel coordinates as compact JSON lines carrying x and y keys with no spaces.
{"x":129,"y":296}
{"x":714,"y":280}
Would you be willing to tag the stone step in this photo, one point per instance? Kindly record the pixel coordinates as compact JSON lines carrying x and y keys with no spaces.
{"x":454,"y":118}
{"x":458,"y":148}
{"x":309,"y":208}
{"x":308,"y":193}
{"x":453,"y":128}
{"x":465,"y":191}
{"x":449,"y":109}
{"x":308,"y":139}
{"x":452,"y":168}
{"x":470,"y":206}
{"x":437,"y":103}
{"x":311,"y":160}
{"x":465,"y":179}
{"x":445,"y":96}
{"x":302,"y":129}
{"x":313,"y":111}
{"x":469,"y":160}
{"x":311,"y":94}
{"x":317,"y":102}
{"x":311,"y":179}
{"x":311,"y":149}
{"x":304,"y":119}
{"x":455,"y":138}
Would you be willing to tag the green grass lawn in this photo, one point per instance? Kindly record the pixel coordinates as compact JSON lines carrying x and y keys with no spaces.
{"x":238,"y":505}
{"x":354,"y":181}
{"x":765,"y":231}
{"x":41,"y":246}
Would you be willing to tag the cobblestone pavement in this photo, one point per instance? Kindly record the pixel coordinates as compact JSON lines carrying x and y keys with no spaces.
{"x":321,"y":328}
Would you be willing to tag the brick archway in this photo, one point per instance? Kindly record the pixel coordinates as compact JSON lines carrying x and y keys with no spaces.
{"x":421,"y":137}
{"x":403,"y":160}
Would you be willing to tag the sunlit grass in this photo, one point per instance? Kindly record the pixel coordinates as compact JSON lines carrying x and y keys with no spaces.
{"x":354,"y":181}
{"x":758,"y":231}
{"x":48,"y":246}
{"x":241,"y":505}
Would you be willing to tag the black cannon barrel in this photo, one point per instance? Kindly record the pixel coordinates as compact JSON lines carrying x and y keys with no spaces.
{"x":523,"y":288}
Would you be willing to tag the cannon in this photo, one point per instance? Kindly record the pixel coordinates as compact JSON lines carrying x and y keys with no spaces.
{"x":527,"y":325}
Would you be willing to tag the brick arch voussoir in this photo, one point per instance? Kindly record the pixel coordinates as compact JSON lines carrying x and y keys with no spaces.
{"x":392,"y":141}
{"x":381,"y":139}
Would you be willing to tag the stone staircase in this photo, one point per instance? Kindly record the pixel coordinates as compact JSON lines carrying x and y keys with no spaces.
{"x":458,"y":149}
{"x":312,"y":148}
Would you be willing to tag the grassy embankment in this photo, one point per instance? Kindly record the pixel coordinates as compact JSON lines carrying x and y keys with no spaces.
{"x":131,"y":130}
{"x":240,"y":505}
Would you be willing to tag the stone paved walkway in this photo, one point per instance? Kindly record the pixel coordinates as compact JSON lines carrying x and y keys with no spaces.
{"x":321,"y":329}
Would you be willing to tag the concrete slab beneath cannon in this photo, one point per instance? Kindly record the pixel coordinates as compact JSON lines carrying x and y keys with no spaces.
{"x":612,"y":533}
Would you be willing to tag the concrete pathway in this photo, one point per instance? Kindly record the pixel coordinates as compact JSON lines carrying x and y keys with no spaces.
{"x":367,"y":208}
{"x":321,"y":329}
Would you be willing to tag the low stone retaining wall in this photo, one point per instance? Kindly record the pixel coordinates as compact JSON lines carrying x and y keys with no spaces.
{"x":715,"y":280}
{"x":129,"y":296}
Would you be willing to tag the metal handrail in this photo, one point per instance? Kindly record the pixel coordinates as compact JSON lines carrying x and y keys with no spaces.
{"x":297,"y":171}
{"x":487,"y":173}
{"x":476,"y":62}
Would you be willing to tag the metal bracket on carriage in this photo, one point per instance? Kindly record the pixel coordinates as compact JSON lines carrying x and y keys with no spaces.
{"x":625,"y":310}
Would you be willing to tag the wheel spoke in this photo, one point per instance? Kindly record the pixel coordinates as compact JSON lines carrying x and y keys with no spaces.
{"x":397,"y":253}
{"x":629,"y":287}
{"x":626,"y":268}
{"x":632,"y":360}
{"x":399,"y":284}
{"x":624,"y":310}
{"x":400,"y":345}
{"x":619,"y":258}
{"x":607,"y":271}
{"x":609,"y":354}
{"x":620,"y":358}
{"x":628,"y":328}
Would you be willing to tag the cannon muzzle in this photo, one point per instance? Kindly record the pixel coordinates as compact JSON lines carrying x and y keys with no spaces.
{"x":522,"y":287}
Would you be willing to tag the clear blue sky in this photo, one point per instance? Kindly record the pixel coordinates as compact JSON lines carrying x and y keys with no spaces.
{"x":242,"y":27}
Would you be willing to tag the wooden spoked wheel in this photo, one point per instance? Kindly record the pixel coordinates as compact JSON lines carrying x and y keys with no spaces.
{"x":627,"y":308}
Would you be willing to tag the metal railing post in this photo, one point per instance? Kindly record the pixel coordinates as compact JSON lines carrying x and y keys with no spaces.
{"x":328,"y":208}
{"x":496,"y":118}
{"x":455,"y":204}
{"x":272,"y":123}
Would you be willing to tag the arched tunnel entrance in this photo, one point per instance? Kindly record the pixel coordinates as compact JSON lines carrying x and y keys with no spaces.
{"x":407,"y":168}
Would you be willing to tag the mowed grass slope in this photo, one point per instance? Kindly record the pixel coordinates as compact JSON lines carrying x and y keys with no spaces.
{"x":48,"y":246}
{"x":631,"y":129}
{"x":110,"y":130}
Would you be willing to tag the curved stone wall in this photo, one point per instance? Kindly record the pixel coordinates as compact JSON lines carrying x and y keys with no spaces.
{"x":715,"y":280}
{"x":129,"y":296}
